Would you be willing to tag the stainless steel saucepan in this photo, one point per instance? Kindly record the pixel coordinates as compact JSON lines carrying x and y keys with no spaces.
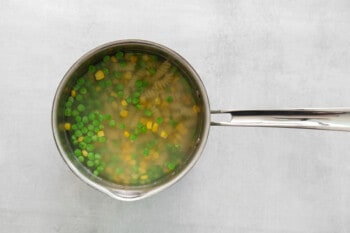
{"x":323,"y":119}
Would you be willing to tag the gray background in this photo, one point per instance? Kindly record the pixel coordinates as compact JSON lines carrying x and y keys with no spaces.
{"x":249,"y":54}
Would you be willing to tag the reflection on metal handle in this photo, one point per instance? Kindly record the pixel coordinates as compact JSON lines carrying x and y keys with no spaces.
{"x":325,"y":119}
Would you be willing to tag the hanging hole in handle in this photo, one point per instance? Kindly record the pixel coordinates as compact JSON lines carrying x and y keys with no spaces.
{"x":220,"y":117}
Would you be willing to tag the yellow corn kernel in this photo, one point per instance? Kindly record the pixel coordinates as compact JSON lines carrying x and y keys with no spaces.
{"x":127,"y":75}
{"x":124,"y":103}
{"x":124,"y":113}
{"x":144,"y":177}
{"x":73,"y":93}
{"x":100,"y":133}
{"x":132,"y":162}
{"x":126,"y":134}
{"x":127,"y":157}
{"x":155,"y":155}
{"x":67,"y":126}
{"x":157,"y":101}
{"x":113,"y":59}
{"x":195,"y":109}
{"x":84,"y":153}
{"x":142,"y":170}
{"x":155,"y":127}
{"x":164,"y":134}
{"x":133,"y":59}
{"x":99,"y":75}
{"x":80,"y":139}
{"x":149,"y":124}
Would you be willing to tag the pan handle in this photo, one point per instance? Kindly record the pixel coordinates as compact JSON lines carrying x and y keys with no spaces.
{"x":323,"y":119}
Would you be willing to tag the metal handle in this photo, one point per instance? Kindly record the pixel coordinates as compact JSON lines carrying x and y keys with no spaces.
{"x":324,"y":119}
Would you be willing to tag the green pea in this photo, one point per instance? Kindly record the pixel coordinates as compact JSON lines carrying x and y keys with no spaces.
{"x":135,"y":100}
{"x":91,"y":156}
{"x":90,"y":147}
{"x":117,"y":74}
{"x":108,"y":83}
{"x":133,"y":137}
{"x":171,"y":166}
{"x":122,"y":63}
{"x":70,"y":99}
{"x":74,"y":127}
{"x":97,"y":156}
{"x":96,"y":173}
{"x":105,"y":70}
{"x":90,"y":134}
{"x":79,"y":97}
{"x":77,"y":152}
{"x":81,"y":108}
{"x":152,"y":70}
{"x":112,"y":123}
{"x":91,"y":116}
{"x":122,"y":126}
{"x":81,"y":158}
{"x":119,"y":170}
{"x":120,"y":94}
{"x":84,"y":130}
{"x":100,"y":168}
{"x":67,"y":112}
{"x":169,"y":99}
{"x":90,"y":127}
{"x":102,"y":139}
{"x":82,"y":145}
{"x":77,"y":119}
{"x":106,"y":58}
{"x":108,"y":117}
{"x":159,"y":120}
{"x":92,"y":68}
{"x":101,"y":127}
{"x":83,"y":91}
{"x":148,"y":112}
{"x":119,"y":55}
{"x":94,"y":138}
{"x":95,"y":123}
{"x":120,"y":87}
{"x":78,"y":133}
{"x":75,"y":113}
{"x":90,"y":163}
{"x":97,"y":162}
{"x":80,"y":81}
{"x":138,"y":83}
{"x":146,"y":152}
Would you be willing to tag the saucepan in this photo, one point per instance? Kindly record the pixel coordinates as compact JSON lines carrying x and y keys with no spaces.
{"x":305,"y":118}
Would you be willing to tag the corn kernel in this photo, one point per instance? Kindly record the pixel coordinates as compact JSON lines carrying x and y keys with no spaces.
{"x":155,"y":127}
{"x":157,"y":101}
{"x":124,"y":103}
{"x":195,"y":109}
{"x":144,"y":177}
{"x":100,"y":133}
{"x":142,"y":170}
{"x":149,"y":125}
{"x":113,"y":59}
{"x":84,"y":153}
{"x":132,"y":162}
{"x":73,"y":93}
{"x":164,"y":134}
{"x":99,"y":75}
{"x":124,"y":113}
{"x":155,"y":155}
{"x":127,"y":157}
{"x":133,"y":59}
{"x":80,"y":139}
{"x":127,"y":75}
{"x":67,"y":126}
{"x":126,"y":134}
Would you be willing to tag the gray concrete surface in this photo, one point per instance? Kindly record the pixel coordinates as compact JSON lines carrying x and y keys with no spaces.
{"x":249,"y":53}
